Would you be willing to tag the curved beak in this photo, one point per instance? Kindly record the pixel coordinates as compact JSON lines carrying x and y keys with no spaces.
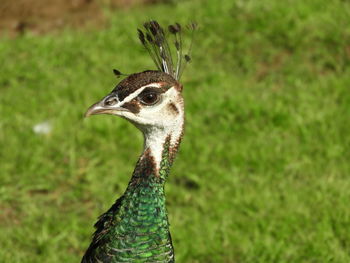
{"x":100,"y":108}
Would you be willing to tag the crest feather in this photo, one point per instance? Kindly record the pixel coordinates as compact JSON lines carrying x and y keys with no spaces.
{"x":155,"y":40}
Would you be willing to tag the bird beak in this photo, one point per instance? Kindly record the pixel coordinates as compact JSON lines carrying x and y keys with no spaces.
{"x":100,"y":108}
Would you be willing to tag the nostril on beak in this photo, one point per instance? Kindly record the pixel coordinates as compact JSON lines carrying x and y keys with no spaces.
{"x":110,"y":101}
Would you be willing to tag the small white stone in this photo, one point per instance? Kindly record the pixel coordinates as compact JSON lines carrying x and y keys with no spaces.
{"x":42,"y":128}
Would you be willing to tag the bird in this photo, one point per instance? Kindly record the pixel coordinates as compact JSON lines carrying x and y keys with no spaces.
{"x":136,"y":227}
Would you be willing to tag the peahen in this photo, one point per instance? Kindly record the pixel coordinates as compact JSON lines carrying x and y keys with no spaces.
{"x":136,"y":227}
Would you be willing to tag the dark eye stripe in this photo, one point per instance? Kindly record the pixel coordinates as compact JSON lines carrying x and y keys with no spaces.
{"x":123,"y":93}
{"x":132,"y":106}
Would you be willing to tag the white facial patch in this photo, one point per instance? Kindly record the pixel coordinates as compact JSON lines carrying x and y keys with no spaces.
{"x":157,"y":121}
{"x":164,"y":124}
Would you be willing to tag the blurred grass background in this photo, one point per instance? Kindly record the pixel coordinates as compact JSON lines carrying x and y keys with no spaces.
{"x":263,"y":170}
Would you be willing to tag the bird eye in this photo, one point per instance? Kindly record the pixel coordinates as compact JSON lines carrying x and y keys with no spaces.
{"x":111,"y":101}
{"x":149,"y":98}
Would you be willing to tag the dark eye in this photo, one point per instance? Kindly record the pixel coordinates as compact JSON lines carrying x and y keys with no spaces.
{"x":149,"y":98}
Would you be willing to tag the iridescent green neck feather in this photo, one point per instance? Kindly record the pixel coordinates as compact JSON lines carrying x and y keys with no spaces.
{"x":136,"y":227}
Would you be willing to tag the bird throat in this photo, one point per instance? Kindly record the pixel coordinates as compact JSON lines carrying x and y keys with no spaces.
{"x":136,"y":227}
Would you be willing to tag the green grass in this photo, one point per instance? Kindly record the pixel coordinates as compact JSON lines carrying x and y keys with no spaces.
{"x":263,"y":171}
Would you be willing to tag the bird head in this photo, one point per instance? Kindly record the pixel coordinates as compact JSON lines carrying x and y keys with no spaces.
{"x":151,"y":100}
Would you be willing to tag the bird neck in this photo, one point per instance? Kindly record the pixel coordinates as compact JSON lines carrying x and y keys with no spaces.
{"x":160,"y":149}
{"x":142,"y":216}
{"x":136,"y":227}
